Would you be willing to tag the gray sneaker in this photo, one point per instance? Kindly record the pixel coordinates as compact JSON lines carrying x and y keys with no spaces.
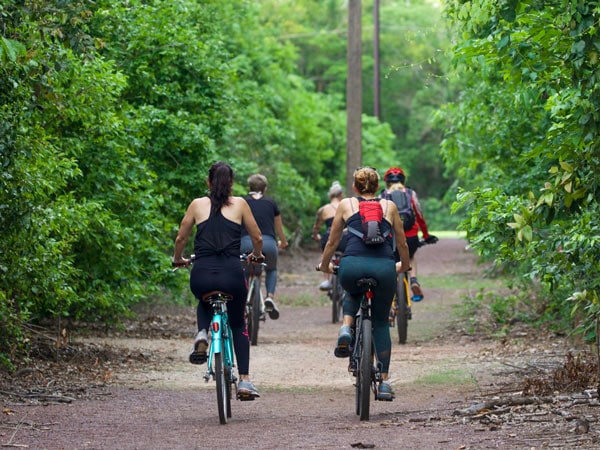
{"x":247,"y":391}
{"x":385,"y":391}
{"x":198,"y":353}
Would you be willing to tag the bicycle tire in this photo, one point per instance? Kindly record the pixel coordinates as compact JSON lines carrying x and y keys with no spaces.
{"x":256,"y":310}
{"x":365,"y":370}
{"x":228,"y":389}
{"x":336,"y":299}
{"x":402,"y":309}
{"x":221,"y":388}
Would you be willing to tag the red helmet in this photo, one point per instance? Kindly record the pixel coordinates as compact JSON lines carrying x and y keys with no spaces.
{"x":394,"y":175}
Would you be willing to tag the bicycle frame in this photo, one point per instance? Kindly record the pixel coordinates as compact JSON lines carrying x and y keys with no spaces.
{"x":221,"y":338}
{"x":220,"y":361}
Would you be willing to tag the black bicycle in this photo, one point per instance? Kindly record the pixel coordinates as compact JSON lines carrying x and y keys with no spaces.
{"x":364,"y":364}
{"x":255,"y":299}
{"x":336,"y":292}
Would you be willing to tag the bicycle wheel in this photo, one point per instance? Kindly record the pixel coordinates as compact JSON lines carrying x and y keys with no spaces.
{"x":402,"y":311}
{"x":364,"y":372}
{"x":336,"y":299}
{"x":256,"y":310}
{"x":221,"y":388}
{"x":228,"y":383}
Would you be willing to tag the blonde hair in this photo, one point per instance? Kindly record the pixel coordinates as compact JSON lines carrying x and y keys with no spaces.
{"x":335,"y":190}
{"x":366,"y":180}
{"x":395,"y":187}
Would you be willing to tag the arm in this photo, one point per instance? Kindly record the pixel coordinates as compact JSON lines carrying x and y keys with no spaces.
{"x":185,"y":230}
{"x":283,"y":243}
{"x":335,"y":235}
{"x":419,"y":215}
{"x":252,"y":228}
{"x":317,"y":225}
{"x":401,"y":245}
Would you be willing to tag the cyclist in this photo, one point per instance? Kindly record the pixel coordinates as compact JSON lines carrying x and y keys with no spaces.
{"x":219,"y":219}
{"x":325,"y":216}
{"x":395,"y":178}
{"x":361,"y":260}
{"x":268,"y":217}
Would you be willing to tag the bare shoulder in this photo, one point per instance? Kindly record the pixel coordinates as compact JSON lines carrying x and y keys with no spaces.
{"x":239,"y":201}
{"x":199,"y":202}
{"x":390,"y":209}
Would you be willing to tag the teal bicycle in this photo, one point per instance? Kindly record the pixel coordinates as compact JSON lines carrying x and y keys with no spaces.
{"x":221,"y":357}
{"x":220,"y":360}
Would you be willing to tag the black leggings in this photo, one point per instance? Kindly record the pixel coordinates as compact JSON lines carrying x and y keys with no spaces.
{"x":223,"y":274}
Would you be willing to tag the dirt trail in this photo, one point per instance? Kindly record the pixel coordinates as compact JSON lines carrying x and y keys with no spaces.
{"x":159,"y":401}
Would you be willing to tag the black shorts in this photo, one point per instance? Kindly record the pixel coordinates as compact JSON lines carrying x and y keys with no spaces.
{"x":413,"y":245}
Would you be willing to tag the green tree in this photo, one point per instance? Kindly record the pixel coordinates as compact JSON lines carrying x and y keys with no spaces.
{"x":524,"y":140}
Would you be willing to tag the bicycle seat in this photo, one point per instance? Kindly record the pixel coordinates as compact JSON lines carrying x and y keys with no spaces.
{"x":216,"y":295}
{"x":367,"y":282}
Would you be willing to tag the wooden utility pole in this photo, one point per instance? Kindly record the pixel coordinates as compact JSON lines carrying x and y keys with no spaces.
{"x":376,"y":76}
{"x":353,"y":94}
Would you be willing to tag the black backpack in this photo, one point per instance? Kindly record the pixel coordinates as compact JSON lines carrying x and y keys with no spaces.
{"x":403,"y":201}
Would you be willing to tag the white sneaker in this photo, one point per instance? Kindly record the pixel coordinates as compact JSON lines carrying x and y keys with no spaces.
{"x":271,"y":308}
{"x":325,"y":285}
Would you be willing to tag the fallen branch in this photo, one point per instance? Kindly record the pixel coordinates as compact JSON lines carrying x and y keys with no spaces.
{"x":58,"y":398}
{"x":479,"y":408}
{"x":9,"y":443}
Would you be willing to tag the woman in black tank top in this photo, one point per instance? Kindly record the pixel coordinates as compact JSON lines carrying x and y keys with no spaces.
{"x":219,"y":219}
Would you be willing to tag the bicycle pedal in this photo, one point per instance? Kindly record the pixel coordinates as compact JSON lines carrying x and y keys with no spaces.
{"x":198,"y":358}
{"x":245,"y":397}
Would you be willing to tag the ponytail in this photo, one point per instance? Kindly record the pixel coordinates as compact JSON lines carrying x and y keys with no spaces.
{"x":220,"y":176}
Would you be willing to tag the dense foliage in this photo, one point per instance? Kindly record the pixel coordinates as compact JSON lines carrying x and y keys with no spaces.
{"x":111,"y":113}
{"x":524,"y":140}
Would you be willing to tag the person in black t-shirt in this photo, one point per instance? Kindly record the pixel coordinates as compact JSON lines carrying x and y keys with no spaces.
{"x":268,"y":217}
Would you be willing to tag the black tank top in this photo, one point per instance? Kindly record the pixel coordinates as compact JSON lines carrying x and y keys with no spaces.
{"x":217,"y":235}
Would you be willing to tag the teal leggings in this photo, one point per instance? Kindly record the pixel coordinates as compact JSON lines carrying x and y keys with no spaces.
{"x":383,"y":270}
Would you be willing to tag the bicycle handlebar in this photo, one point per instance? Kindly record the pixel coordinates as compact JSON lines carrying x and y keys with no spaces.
{"x":247,"y":257}
{"x":243,"y":257}
{"x":335,"y":268}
